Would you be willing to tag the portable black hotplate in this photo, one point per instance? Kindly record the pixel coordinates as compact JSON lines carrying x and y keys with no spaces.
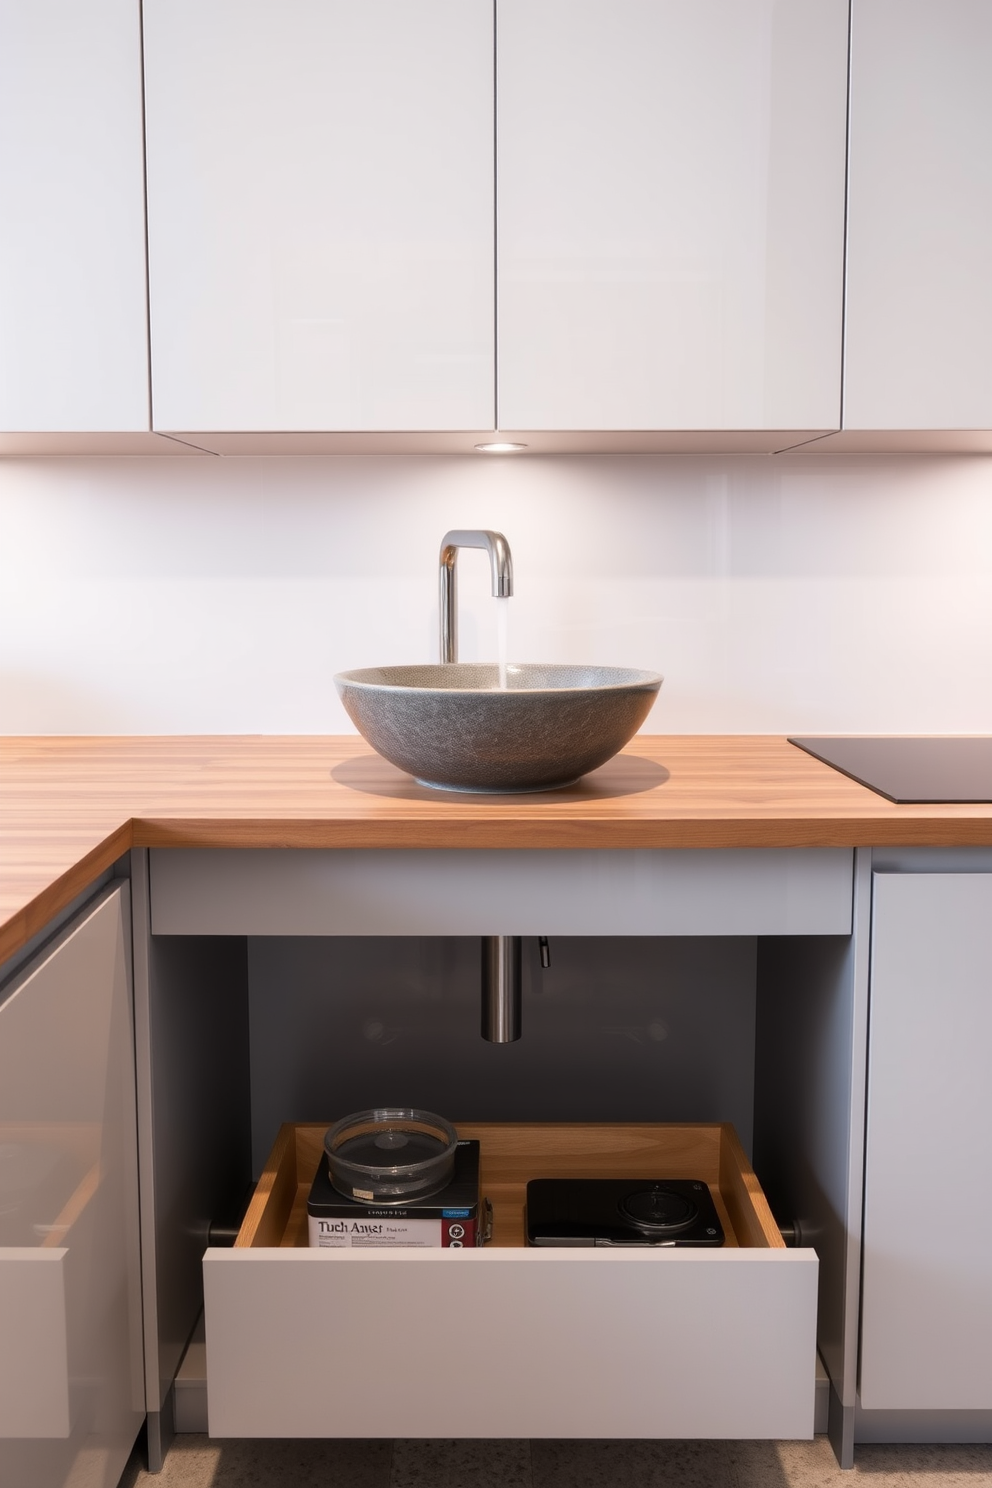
{"x":933,"y":771}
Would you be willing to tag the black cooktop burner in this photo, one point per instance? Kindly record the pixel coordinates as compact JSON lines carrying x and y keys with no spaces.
{"x":907,"y":770}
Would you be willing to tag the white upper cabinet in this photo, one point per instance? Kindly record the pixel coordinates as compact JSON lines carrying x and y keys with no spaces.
{"x":671,"y":214}
{"x":919,"y":275}
{"x":320,"y":211}
{"x":73,"y":322}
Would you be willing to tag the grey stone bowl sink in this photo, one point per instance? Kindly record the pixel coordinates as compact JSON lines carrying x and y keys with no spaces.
{"x":454,"y":728}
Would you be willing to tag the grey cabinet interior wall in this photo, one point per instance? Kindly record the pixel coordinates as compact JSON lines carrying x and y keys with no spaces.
{"x":810,"y":1041}
{"x":617,"y":1029}
{"x":191,"y":1045}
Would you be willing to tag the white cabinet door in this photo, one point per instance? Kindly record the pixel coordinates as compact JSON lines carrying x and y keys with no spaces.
{"x":71,"y":1376}
{"x":670,"y":213}
{"x":919,"y":287}
{"x":73,"y":324}
{"x":927,"y":1300}
{"x":320,"y":208}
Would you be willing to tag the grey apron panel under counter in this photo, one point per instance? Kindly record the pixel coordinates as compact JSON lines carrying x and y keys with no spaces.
{"x":731,"y":891}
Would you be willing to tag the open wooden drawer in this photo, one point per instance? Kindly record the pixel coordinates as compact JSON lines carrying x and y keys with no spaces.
{"x":509,"y":1341}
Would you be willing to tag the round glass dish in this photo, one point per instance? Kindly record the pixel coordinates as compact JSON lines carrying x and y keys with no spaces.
{"x":391,"y":1155}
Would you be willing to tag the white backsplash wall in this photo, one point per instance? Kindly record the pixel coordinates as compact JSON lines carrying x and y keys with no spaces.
{"x":800,"y":592}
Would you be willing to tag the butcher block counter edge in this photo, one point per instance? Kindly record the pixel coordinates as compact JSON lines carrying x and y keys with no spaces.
{"x":70,"y":807}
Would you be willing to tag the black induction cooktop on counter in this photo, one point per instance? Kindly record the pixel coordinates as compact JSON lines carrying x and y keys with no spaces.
{"x":912,"y":771}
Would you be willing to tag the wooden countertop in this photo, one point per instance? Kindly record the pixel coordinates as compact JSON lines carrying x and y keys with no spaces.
{"x":70,"y":806}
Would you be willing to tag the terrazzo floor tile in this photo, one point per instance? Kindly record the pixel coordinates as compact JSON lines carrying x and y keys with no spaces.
{"x":813,"y":1465}
{"x":634,"y":1464}
{"x":461,"y":1464}
{"x":770,"y":1464}
{"x":197,"y":1462}
{"x":957,"y":1466}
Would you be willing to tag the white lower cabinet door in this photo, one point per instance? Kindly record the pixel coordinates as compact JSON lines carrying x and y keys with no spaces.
{"x":510,"y":1343}
{"x":927,"y":1287}
{"x":71,"y":1377}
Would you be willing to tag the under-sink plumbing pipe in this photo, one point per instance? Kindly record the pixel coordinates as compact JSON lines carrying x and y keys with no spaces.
{"x":501,"y":984}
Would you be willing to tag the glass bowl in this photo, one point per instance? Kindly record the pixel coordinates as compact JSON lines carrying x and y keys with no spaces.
{"x":391,"y":1155}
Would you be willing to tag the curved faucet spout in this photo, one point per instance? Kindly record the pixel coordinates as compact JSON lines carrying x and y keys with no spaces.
{"x":500,"y":563}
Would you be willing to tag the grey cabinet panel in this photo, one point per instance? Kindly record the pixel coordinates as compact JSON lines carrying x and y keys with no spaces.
{"x":741,"y":891}
{"x":71,"y":1378}
{"x":927,"y":1299}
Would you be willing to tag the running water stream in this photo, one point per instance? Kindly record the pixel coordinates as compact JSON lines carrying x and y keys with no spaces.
{"x":502,"y":631}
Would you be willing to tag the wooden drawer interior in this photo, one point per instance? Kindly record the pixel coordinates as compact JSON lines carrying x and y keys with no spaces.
{"x":512,"y":1153}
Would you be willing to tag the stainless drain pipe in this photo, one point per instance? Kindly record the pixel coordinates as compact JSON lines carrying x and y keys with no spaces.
{"x":501,"y":983}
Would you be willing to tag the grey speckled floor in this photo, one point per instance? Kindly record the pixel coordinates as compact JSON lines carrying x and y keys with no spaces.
{"x":196,"y":1462}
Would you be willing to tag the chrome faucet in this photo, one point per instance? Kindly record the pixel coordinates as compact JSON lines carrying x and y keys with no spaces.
{"x":500,"y":563}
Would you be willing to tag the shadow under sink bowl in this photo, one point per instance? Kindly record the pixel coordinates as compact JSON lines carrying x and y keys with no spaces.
{"x":453,"y":727}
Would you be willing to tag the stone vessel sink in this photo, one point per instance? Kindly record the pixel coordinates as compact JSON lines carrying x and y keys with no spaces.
{"x":453,"y":727}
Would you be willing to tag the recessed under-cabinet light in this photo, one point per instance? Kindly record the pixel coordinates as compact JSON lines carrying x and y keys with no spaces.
{"x":499,"y":448}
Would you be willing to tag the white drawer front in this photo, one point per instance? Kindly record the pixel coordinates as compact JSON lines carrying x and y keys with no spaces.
{"x":740,"y":891}
{"x":511,"y":1343}
{"x":34,"y":1359}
